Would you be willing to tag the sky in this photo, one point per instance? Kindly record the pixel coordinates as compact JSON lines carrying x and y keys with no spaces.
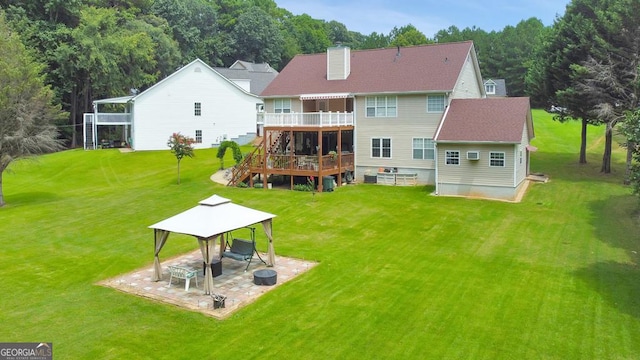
{"x":428,"y":16}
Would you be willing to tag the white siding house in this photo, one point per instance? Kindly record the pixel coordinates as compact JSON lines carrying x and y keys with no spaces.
{"x":195,"y":101}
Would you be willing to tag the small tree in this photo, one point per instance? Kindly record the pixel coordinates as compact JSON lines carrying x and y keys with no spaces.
{"x":180,"y":146}
{"x":222,"y":150}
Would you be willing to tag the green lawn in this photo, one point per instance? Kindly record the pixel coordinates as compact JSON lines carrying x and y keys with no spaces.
{"x":401,"y":275}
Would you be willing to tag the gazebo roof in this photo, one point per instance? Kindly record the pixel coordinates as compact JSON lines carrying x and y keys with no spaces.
{"x":214,"y":215}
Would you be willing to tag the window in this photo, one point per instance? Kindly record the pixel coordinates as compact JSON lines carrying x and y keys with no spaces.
{"x":490,"y":88}
{"x":382,"y":106}
{"x":281,"y":106}
{"x":520,"y":156}
{"x":199,"y":136}
{"x":423,"y":149}
{"x":452,"y":157}
{"x":197,"y":109}
{"x":435,"y":103}
{"x":381,"y":147}
{"x":496,"y":159}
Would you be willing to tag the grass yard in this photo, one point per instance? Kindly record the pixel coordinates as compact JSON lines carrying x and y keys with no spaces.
{"x":401,"y":275}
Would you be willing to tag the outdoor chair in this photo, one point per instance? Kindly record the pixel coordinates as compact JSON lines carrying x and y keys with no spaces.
{"x":184,"y":273}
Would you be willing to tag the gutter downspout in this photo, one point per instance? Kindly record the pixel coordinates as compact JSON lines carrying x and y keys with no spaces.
{"x":435,"y":147}
{"x":515,"y":165}
{"x":355,"y":137}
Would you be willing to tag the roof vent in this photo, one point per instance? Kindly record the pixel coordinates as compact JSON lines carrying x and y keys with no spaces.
{"x":398,"y":55}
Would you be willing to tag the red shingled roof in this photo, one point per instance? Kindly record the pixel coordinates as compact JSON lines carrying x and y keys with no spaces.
{"x":485,"y":120}
{"x":425,"y":68}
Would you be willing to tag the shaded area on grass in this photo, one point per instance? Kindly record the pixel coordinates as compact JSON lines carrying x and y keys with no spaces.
{"x":31,"y":198}
{"x":617,"y":283}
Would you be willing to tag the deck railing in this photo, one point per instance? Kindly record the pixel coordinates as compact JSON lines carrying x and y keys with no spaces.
{"x":319,"y":119}
{"x":308,"y":162}
{"x":113,"y":118}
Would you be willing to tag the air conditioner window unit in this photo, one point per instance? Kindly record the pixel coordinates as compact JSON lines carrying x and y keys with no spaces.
{"x":473,"y":155}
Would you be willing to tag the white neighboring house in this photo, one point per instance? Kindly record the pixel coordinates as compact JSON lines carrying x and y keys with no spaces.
{"x":196,"y":101}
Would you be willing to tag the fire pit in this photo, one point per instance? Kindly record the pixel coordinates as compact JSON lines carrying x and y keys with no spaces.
{"x":265,"y":277}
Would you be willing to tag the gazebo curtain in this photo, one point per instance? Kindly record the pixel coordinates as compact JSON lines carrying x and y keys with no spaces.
{"x":160,"y":239}
{"x":207,"y":247}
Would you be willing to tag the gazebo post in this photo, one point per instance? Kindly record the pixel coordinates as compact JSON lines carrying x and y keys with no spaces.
{"x":160,"y":238}
{"x":206,"y":248}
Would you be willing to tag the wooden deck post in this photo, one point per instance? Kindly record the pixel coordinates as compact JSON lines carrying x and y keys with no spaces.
{"x":339,"y":157}
{"x":320,"y":166}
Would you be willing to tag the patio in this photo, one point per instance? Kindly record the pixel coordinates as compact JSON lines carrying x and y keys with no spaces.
{"x":234,"y":283}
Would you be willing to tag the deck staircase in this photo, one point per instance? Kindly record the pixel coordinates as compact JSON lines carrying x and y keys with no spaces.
{"x":242,"y":171}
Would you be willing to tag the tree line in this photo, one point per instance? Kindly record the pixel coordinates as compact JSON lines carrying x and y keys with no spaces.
{"x":96,"y":49}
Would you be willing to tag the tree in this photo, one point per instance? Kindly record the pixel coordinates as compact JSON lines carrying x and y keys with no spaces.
{"x":311,"y":35}
{"x":610,"y":78}
{"x":339,"y":34}
{"x":630,"y":128}
{"x":604,"y":79}
{"x":26,"y":110}
{"x":180,"y":146}
{"x":570,"y":42}
{"x":194,"y":26}
{"x":256,"y":37}
{"x":511,"y":54}
{"x":375,"y":41}
{"x":407,"y":35}
{"x":222,"y":150}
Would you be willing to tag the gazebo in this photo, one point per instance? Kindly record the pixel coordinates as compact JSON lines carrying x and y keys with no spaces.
{"x":210,"y":220}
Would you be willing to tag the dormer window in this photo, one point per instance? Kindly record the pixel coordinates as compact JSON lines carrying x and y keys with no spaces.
{"x":490,"y":87}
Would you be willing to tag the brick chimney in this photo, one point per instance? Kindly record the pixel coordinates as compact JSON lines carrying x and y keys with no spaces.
{"x":338,"y":62}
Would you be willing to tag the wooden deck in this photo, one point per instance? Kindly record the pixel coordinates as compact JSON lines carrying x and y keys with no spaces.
{"x":300,"y":152}
{"x":304,"y":166}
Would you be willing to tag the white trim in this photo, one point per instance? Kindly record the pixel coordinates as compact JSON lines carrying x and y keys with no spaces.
{"x":444,"y":116}
{"x":444,"y":103}
{"x":355,"y":137}
{"x":445,"y":158}
{"x":437,"y":181}
{"x":189,"y":65}
{"x":116,"y":100}
{"x":381,"y":138}
{"x":504,"y":158}
{"x":386,"y":106}
{"x":515,"y":164}
{"x":424,"y":149}
{"x":477,"y":154}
